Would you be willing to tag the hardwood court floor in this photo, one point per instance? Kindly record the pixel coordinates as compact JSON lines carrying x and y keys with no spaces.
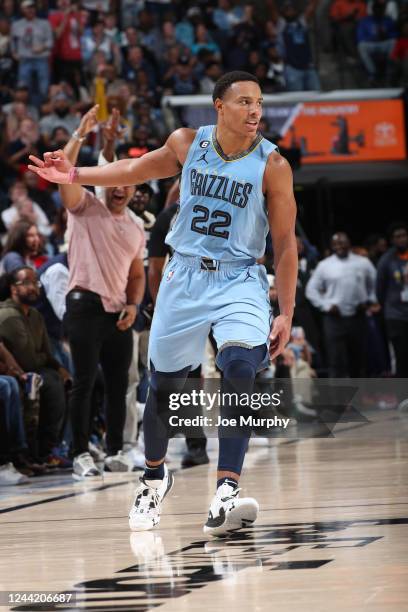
{"x":332,"y":535}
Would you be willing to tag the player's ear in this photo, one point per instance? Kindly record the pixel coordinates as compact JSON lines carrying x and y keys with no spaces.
{"x":218,"y":104}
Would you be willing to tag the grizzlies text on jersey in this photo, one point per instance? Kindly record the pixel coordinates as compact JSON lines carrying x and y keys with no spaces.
{"x":222,"y":207}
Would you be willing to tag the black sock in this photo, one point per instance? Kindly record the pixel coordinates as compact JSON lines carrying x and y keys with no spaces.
{"x":229,"y":480}
{"x":154,"y":472}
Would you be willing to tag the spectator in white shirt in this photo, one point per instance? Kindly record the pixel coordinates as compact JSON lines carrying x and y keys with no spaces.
{"x":54,"y":276}
{"x":343,"y":288}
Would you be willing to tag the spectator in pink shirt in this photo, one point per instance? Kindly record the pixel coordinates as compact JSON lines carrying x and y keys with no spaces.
{"x":106,"y":284}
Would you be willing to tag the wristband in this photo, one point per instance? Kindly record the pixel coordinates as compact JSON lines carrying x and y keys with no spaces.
{"x":72,"y":174}
{"x":77,"y":137}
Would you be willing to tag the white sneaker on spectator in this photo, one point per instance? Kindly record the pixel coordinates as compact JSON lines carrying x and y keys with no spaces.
{"x":96,"y":452}
{"x":140,"y":441}
{"x":136,"y":457}
{"x":302,"y":410}
{"x":258,"y":441}
{"x":84,"y":468}
{"x":120,"y":462}
{"x":140,"y":410}
{"x":10,"y":476}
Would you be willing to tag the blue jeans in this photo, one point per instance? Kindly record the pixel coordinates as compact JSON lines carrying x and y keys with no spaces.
{"x":371,"y":51}
{"x":39,"y":67}
{"x":10,"y":398}
{"x":61,"y":355}
{"x":301,"y":80}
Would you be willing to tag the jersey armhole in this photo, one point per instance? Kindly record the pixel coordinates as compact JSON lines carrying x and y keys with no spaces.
{"x":262,"y":169}
{"x":193,"y":147}
{"x":189,"y":159}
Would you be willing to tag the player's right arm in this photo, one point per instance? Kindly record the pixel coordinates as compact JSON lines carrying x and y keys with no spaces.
{"x":161,"y":163}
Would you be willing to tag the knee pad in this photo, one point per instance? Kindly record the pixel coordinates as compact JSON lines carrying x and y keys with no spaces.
{"x":240,"y":362}
{"x":157,"y":411}
{"x":239,"y":367}
{"x":162,"y":384}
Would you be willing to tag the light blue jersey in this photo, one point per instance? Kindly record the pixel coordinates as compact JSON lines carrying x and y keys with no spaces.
{"x":222,"y":207}
{"x":213,"y":281}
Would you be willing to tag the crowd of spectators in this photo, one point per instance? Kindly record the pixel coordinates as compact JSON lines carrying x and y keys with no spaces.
{"x":58,"y":56}
{"x":57,"y":59}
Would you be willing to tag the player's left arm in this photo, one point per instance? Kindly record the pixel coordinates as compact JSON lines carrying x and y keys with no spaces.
{"x":278,"y":187}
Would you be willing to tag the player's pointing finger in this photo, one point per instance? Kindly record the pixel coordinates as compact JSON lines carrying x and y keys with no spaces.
{"x":38,"y":162}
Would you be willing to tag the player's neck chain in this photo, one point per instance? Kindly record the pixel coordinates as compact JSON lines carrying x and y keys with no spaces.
{"x":237,"y":156}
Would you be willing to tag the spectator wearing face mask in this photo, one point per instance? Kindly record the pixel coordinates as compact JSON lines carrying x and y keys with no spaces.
{"x":62,"y":115}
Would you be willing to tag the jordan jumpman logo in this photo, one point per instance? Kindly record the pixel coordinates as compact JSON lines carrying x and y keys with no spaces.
{"x":202,"y":158}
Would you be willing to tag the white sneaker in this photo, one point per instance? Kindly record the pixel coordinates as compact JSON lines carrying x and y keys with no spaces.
{"x":145,"y":512}
{"x":228,"y":513}
{"x":140,"y":411}
{"x":120,"y":462}
{"x":136,"y":457}
{"x":84,"y":468}
{"x":96,"y":452}
{"x":10,"y":476}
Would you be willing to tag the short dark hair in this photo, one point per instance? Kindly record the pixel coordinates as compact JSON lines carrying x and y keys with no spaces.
{"x":228,"y":79}
{"x":9,"y":279}
{"x":395,"y":226}
{"x":13,"y":275}
{"x":145,"y":188}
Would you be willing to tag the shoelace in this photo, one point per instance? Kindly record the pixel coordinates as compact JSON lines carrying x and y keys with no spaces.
{"x":234,"y":493}
{"x":145,"y":497}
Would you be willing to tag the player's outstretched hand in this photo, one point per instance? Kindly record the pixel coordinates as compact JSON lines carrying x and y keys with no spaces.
{"x":279,"y":336}
{"x":54,"y":168}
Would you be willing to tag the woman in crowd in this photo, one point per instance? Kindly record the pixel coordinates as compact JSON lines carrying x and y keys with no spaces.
{"x":23,"y":247}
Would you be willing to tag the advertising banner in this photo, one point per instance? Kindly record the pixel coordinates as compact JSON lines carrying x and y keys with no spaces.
{"x":330,"y":132}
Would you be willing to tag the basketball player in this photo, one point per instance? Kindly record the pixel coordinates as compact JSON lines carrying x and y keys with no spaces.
{"x":234,"y":186}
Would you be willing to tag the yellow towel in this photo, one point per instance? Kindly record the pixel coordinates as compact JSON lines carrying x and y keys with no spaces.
{"x":100,"y":98}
